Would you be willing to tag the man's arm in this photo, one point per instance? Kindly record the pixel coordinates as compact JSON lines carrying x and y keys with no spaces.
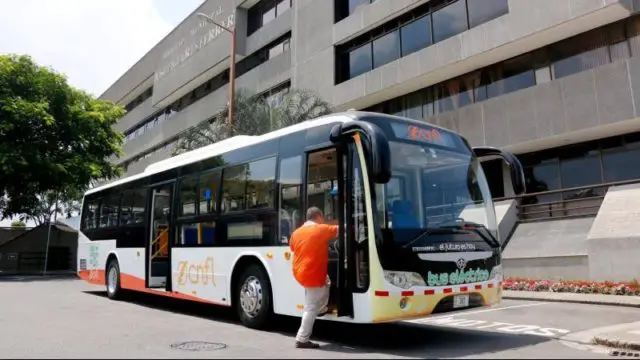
{"x":331,"y":231}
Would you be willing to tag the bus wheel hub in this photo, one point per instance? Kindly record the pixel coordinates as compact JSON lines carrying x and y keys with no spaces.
{"x":251,"y":296}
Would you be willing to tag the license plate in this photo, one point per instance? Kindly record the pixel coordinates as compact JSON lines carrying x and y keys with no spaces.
{"x":460,"y":301}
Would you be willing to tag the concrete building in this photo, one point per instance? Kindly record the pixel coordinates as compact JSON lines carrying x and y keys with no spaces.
{"x":555,"y":81}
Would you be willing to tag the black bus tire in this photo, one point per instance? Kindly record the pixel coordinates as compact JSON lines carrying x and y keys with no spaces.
{"x":253,"y":301}
{"x":112,"y":280}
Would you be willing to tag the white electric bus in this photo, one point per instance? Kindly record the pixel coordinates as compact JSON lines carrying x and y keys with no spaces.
{"x":418,"y":227}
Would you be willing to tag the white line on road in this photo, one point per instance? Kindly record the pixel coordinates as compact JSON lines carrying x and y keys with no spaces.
{"x":454,"y":320}
{"x":501,"y":308}
{"x":478,"y":311}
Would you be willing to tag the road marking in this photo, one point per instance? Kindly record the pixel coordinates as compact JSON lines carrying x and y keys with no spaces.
{"x":634,"y":332}
{"x":505,"y":327}
{"x":501,"y":308}
{"x":479,"y":311}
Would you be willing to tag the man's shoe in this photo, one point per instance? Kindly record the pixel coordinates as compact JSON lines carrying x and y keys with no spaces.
{"x":306,"y":345}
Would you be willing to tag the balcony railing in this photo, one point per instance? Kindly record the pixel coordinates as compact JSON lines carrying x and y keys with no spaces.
{"x":576,"y":202}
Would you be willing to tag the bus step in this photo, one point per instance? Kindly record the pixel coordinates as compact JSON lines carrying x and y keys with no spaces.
{"x":159,"y":268}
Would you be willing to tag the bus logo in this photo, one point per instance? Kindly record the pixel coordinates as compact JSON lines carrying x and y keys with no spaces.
{"x":461,"y":264}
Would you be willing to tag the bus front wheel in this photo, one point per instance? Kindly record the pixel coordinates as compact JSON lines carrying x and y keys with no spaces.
{"x":253,"y":298}
{"x":114,"y":291}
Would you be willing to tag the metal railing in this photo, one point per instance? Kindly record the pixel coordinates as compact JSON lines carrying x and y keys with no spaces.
{"x":575,"y":202}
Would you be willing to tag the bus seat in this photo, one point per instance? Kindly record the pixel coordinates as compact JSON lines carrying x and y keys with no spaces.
{"x":208,"y":235}
{"x":403,"y":216}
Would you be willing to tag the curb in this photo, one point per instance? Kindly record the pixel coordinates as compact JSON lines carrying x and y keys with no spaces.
{"x":574,"y":301}
{"x":617,"y":344}
{"x":16,"y":277}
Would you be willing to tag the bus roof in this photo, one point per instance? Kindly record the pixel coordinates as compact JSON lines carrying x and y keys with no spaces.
{"x":240,"y":141}
{"x":221,"y":147}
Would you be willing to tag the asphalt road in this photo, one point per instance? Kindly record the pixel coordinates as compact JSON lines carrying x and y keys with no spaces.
{"x":70,"y":319}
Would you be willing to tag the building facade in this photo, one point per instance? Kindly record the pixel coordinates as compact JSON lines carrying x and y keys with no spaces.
{"x":556,"y":82}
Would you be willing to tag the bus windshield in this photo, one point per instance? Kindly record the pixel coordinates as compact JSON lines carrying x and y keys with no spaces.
{"x":437,"y":199}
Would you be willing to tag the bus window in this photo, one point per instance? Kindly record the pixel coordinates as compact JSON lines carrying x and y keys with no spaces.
{"x":138,"y":206}
{"x":91,"y":216}
{"x":234,"y":186}
{"x":322,"y":178}
{"x":260,"y":179}
{"x":209,"y":184}
{"x":109,"y":210}
{"x":290,"y":196}
{"x":188,"y":188}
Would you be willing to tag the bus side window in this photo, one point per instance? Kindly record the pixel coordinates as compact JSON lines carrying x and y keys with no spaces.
{"x":322,"y":182}
{"x":290,"y":179}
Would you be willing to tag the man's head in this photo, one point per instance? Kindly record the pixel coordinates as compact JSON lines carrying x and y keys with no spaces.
{"x":315,"y":214}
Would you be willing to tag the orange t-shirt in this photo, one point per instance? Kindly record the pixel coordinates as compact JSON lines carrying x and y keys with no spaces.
{"x":310,"y":243}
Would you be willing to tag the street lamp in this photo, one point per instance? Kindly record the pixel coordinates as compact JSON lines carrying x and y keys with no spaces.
{"x":232,"y":65}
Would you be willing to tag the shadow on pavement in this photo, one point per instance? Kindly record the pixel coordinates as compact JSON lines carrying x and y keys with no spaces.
{"x":38,"y":278}
{"x":398,"y":339}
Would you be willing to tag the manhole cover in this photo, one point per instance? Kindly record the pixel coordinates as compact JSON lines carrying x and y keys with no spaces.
{"x":198,"y":346}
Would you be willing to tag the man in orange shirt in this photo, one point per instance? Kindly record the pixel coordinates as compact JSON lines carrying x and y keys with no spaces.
{"x":310,"y":247}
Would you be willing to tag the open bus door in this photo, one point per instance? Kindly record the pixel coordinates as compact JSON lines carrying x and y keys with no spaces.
{"x":516,"y":172}
{"x":360,"y":145}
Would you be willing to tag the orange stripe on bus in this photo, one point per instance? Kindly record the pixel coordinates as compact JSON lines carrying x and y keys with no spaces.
{"x":130,"y":282}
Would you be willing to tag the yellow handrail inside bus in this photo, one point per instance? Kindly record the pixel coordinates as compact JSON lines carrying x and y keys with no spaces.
{"x":162,"y":248}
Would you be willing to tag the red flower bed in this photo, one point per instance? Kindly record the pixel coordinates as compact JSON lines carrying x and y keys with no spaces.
{"x":570,"y":286}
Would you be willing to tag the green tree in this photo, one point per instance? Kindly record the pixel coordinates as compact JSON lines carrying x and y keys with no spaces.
{"x":18,"y":224}
{"x":53,"y":138}
{"x":255,"y":115}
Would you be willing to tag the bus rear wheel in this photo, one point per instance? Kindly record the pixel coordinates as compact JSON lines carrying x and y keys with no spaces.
{"x":114,"y":290}
{"x":253,"y":298}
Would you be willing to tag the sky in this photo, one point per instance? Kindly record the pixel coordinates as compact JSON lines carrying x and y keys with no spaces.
{"x":93,"y":42}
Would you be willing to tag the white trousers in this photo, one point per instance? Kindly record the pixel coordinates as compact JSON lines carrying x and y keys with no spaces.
{"x":316,"y":301}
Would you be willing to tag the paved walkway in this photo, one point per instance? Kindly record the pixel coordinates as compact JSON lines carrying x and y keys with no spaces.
{"x":622,"y":338}
{"x":596,"y":299}
{"x":625,"y":337}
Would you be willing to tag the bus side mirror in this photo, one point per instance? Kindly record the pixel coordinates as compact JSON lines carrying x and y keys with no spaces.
{"x":515,"y":167}
{"x":375,"y":144}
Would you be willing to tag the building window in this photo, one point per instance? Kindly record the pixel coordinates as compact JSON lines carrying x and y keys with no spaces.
{"x":570,"y":56}
{"x":360,"y":60}
{"x":265,"y":12}
{"x":386,"y":48}
{"x":344,"y":8}
{"x":450,"y":20}
{"x":416,"y":35}
{"x":410,"y":32}
{"x":481,"y":12}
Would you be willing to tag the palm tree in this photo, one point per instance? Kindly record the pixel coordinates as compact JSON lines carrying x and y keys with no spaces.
{"x":255,"y":115}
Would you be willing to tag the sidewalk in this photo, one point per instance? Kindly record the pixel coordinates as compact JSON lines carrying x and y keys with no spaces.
{"x":626,"y":337}
{"x":595,"y":299}
{"x":51,"y":275}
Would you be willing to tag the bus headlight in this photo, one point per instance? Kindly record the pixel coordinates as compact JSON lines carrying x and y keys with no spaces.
{"x":496,"y":273}
{"x":404,"y":280}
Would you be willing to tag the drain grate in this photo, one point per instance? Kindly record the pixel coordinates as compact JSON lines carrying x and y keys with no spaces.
{"x":625,"y":353}
{"x":198,"y":346}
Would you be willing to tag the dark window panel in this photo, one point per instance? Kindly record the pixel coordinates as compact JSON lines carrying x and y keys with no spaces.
{"x":416,"y":35}
{"x":188,"y":196}
{"x":386,"y":49}
{"x":260,"y":183}
{"x":360,"y":61}
{"x":482,"y":11}
{"x":449,"y":21}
